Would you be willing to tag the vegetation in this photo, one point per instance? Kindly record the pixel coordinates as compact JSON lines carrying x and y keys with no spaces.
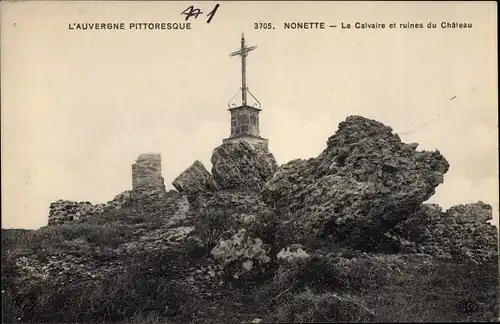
{"x":168,"y":285}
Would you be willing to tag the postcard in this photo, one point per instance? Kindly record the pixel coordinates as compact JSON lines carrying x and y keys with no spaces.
{"x":249,"y":162}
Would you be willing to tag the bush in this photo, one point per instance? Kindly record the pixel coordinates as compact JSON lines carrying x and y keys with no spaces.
{"x":211,"y":225}
{"x":319,"y":273}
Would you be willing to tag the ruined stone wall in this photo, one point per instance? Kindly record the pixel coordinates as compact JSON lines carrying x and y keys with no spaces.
{"x":147,"y":186}
{"x":146,"y":174}
{"x":64,"y":211}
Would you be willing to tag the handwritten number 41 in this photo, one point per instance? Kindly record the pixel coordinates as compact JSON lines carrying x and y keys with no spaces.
{"x":192,"y":12}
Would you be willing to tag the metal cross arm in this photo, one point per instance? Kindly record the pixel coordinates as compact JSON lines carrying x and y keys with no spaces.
{"x":243,"y":51}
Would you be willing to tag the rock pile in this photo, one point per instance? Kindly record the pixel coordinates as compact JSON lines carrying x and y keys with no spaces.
{"x":63,"y":211}
{"x":364,"y":183}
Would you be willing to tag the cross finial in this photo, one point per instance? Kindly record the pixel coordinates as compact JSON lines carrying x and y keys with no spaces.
{"x":243,"y":52}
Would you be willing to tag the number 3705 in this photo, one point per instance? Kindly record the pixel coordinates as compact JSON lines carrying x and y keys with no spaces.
{"x":260,"y":25}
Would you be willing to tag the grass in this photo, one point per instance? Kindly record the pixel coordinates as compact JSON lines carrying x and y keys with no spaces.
{"x":310,"y":307}
{"x":409,"y":291}
{"x":56,"y":239}
{"x":147,"y":286}
{"x":444,"y":292}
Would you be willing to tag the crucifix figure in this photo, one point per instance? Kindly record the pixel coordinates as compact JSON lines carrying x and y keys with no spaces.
{"x":243,"y":52}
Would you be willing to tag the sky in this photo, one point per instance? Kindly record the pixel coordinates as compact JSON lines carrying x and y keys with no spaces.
{"x":78,"y":107}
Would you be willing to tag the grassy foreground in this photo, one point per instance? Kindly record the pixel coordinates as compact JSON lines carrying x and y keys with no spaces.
{"x":171,"y":285}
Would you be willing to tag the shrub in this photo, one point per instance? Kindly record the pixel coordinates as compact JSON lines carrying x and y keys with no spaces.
{"x":319,"y":273}
{"x":212,"y":224}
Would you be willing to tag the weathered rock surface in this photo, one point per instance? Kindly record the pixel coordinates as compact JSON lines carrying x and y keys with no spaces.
{"x":292,"y":255}
{"x":365,"y":182}
{"x":237,"y":202}
{"x":462,"y":233}
{"x":242,"y":165}
{"x":195,"y":180}
{"x":242,"y":253}
{"x":62,"y":211}
{"x":470,"y":213}
{"x":221,"y":214}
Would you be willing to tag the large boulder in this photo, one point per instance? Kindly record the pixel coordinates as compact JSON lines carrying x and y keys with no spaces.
{"x":238,"y":165}
{"x":195,"y":180}
{"x":364,"y":183}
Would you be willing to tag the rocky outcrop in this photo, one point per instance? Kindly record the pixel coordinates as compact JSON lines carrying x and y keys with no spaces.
{"x":63,"y":211}
{"x":470,"y":213}
{"x":232,"y":201}
{"x":194,"y":181}
{"x":462,"y":233}
{"x":364,"y":183}
{"x":242,"y":165}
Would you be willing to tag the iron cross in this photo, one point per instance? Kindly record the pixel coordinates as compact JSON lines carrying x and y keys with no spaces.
{"x":243,"y":52}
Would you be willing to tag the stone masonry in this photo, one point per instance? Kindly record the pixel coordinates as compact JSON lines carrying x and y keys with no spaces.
{"x":146,"y":174}
{"x":63,"y":211}
{"x":147,"y":186}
